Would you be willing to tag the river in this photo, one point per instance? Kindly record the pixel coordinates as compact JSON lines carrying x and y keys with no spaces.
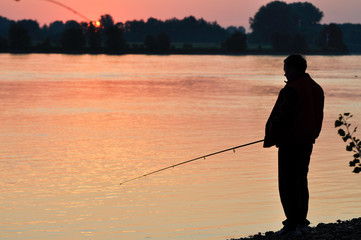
{"x":72,"y":127}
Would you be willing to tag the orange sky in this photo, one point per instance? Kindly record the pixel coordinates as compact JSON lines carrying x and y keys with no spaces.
{"x":225,"y":12}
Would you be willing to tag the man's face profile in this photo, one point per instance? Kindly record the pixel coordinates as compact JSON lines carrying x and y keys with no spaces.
{"x":288,"y":71}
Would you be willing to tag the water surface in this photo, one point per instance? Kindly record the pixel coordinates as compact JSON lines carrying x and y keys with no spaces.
{"x":72,"y":127}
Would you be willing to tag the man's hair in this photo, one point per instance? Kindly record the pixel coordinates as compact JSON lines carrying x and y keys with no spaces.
{"x":297,"y":61}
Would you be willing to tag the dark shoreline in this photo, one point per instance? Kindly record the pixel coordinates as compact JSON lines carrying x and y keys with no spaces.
{"x":173,"y":52}
{"x":341,"y":230}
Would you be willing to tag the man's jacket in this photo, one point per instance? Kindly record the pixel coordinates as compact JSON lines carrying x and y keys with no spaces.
{"x":297,"y":115}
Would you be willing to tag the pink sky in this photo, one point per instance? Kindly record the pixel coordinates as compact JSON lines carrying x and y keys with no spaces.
{"x":225,"y":12}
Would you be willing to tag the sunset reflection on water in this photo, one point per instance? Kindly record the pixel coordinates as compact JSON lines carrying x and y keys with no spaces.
{"x":71,"y":132}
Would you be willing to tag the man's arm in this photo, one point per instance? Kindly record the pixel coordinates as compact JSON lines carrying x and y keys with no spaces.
{"x":287,"y":109}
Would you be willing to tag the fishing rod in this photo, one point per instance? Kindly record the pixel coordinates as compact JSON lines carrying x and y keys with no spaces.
{"x":191,"y":160}
{"x":66,"y":7}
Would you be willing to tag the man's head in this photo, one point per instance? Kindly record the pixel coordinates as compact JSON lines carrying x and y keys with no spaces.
{"x":294,"y":66}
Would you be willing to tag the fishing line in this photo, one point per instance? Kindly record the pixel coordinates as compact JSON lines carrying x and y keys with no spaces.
{"x":191,"y":160}
{"x":66,"y":7}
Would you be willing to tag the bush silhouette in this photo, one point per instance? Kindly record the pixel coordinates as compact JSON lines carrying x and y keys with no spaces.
{"x":354,"y":144}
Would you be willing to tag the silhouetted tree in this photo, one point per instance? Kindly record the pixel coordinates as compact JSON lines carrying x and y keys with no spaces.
{"x":305,"y":13}
{"x":281,"y":41}
{"x":233,"y":29}
{"x":163,"y":42}
{"x":135,"y":30}
{"x":45,"y":44}
{"x":237,"y":42}
{"x":352,"y":36}
{"x":94,"y":37}
{"x":154,"y":26}
{"x":299,"y":44}
{"x":3,"y":43}
{"x":281,"y":17}
{"x":4,"y":27}
{"x":55,"y":31}
{"x":331,"y":38}
{"x":106,"y":21}
{"x":19,"y":37}
{"x":188,"y":29}
{"x":73,"y":37}
{"x":115,"y":40}
{"x":285,"y":42}
{"x":150,"y":43}
{"x":33,"y":29}
{"x":308,"y":19}
{"x":72,"y":24}
{"x":274,"y":17}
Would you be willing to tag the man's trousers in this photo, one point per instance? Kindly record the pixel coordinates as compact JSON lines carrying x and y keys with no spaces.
{"x":293,"y":162}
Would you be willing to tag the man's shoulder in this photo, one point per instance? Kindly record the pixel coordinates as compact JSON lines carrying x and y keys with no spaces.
{"x":305,"y":81}
{"x":316,"y":87}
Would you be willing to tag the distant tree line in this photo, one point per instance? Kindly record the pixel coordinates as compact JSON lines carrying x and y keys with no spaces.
{"x":153,"y":35}
{"x":352,"y":36}
{"x":276,"y":27}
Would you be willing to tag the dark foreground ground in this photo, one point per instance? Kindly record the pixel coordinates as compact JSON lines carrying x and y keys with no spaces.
{"x":342,"y":230}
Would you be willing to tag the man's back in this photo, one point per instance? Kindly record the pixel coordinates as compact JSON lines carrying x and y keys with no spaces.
{"x":307,"y":122}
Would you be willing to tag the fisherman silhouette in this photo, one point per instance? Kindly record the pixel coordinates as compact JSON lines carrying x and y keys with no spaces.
{"x":294,"y":124}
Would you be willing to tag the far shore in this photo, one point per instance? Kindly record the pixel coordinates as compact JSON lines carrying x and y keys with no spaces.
{"x":195,"y":51}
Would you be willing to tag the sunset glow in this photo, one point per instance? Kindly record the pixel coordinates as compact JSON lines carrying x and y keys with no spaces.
{"x":226,"y":13}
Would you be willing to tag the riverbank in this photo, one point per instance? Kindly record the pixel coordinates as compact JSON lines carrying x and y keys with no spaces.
{"x":172,"y":51}
{"x":341,"y":230}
